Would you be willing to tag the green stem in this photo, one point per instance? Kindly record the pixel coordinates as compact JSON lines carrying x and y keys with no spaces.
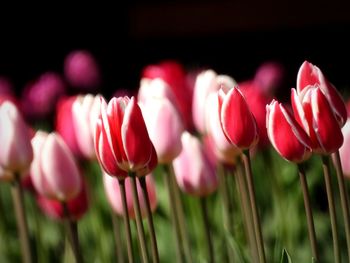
{"x":175,"y":223}
{"x":137,"y":209}
{"x":328,"y":181}
{"x":247,"y":213}
{"x":308,"y":211}
{"x":204,"y":210}
{"x":181,"y":217}
{"x":343,"y":199}
{"x":118,"y":241}
{"x":226,"y":208}
{"x":154,"y":247}
{"x":256,"y":220}
{"x":22,"y":226}
{"x":72,"y":232}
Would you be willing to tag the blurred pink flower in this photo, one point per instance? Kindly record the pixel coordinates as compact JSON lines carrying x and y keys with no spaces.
{"x":269,"y":77}
{"x":344,"y":150}
{"x":6,"y":87}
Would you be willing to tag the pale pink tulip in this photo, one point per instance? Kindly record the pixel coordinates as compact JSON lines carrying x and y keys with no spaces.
{"x":344,"y":150}
{"x":112,"y":190}
{"x":54,"y":171}
{"x":16,"y":152}
{"x":194,"y":172}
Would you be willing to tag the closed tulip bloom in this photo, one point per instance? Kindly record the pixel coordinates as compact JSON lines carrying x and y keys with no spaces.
{"x":85,"y":110}
{"x":344,"y":150}
{"x":122,"y":142}
{"x":155,"y":88}
{"x":16,"y":151}
{"x":194,"y":172}
{"x":286,"y":135}
{"x":314,"y":114}
{"x":309,"y":76}
{"x":165,"y":127}
{"x":237,"y":121}
{"x":112,"y":190}
{"x":54,"y":171}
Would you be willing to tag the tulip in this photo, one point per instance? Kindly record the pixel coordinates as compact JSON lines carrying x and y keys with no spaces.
{"x":39,"y":98}
{"x":54,"y":171}
{"x":81,"y":70}
{"x":194,"y":173}
{"x":165,"y":127}
{"x":5,"y":86}
{"x":85,"y":111}
{"x":122,"y":143}
{"x":16,"y":152}
{"x":344,"y":150}
{"x":310,"y":76}
{"x":155,"y":88}
{"x":269,"y":77}
{"x":237,"y":121}
{"x":314,"y":114}
{"x":112,"y":190}
{"x":77,"y":206}
{"x":280,"y":125}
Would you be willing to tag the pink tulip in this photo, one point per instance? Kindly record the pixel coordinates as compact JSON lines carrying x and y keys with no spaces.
{"x":165,"y":127}
{"x":81,"y":70}
{"x":77,"y":206}
{"x":310,"y":76}
{"x":193,"y":171}
{"x":175,"y":76}
{"x":6,"y":88}
{"x":286,"y":135}
{"x":314,"y":114}
{"x":237,"y":121}
{"x":85,"y":110}
{"x":269,"y":77}
{"x":112,"y":191}
{"x":16,"y":152}
{"x":54,"y":171}
{"x":64,"y":124}
{"x":122,"y":142}
{"x":39,"y":98}
{"x":344,"y":150}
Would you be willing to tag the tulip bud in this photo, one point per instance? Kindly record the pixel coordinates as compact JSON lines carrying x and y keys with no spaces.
{"x":112,"y":190}
{"x":193,"y":171}
{"x":237,"y":121}
{"x":344,"y":150}
{"x":286,"y":135}
{"x":16,"y":152}
{"x":54,"y":171}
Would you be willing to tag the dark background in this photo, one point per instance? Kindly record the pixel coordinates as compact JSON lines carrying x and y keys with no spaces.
{"x":232,"y":37}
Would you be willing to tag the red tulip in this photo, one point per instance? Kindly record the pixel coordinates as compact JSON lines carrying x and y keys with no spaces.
{"x":112,"y":191}
{"x":54,"y":171}
{"x":122,"y":142}
{"x":315,"y":115}
{"x":16,"y":152}
{"x":286,"y":135}
{"x":237,"y":121}
{"x":194,"y":172}
{"x":310,"y":76}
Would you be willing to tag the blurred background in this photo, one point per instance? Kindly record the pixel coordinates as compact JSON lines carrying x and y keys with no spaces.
{"x":232,"y":37}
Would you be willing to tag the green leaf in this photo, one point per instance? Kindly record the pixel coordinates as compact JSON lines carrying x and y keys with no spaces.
{"x":285,"y":257}
{"x":314,"y":260}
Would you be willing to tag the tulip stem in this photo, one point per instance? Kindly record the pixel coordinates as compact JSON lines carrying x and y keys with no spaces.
{"x":72,"y":232}
{"x":155,"y":254}
{"x":22,"y":226}
{"x":343,"y":199}
{"x":139,"y":225}
{"x":251,"y":191}
{"x":180,"y":217}
{"x":204,"y":209}
{"x":176,"y":228}
{"x":247,"y":213}
{"x":333,"y":216}
{"x":118,"y":241}
{"x":226,"y":208}
{"x":308,"y":210}
{"x":126,"y":220}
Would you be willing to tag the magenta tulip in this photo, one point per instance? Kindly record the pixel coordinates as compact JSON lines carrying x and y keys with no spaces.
{"x":16,"y":153}
{"x":54,"y":171}
{"x":112,"y":191}
{"x":269,"y":77}
{"x":194,"y":172}
{"x":122,"y":142}
{"x":281,"y":125}
{"x":237,"y":121}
